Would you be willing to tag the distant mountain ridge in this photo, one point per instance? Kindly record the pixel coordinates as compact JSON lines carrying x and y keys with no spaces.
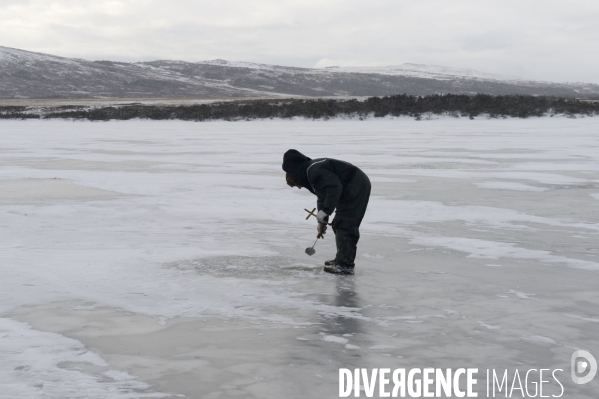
{"x":25,"y":74}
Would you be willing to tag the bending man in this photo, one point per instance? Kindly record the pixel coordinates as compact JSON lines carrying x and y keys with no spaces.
{"x":338,"y":186}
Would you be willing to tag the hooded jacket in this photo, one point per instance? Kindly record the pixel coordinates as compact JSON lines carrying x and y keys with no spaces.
{"x":324,"y":177}
{"x":296,"y":163}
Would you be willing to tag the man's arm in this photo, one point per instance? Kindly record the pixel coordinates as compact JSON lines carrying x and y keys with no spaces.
{"x":328,"y":183}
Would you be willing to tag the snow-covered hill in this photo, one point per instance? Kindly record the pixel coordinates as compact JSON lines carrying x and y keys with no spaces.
{"x":428,"y":71}
{"x":24,"y":74}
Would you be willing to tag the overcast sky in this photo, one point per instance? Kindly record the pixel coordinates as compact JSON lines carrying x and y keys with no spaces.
{"x":537,"y":39}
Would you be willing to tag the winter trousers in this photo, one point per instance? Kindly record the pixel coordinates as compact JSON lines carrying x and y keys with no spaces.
{"x":348,"y":217}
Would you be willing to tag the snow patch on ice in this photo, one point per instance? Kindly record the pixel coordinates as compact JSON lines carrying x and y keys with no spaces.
{"x":333,"y":338}
{"x":382,"y":179}
{"x":379,"y":347}
{"x":33,"y":366}
{"x":540,"y":339}
{"x":375,"y":256}
{"x":543,"y":178}
{"x":477,"y":248}
{"x":520,"y":295}
{"x":414,"y":318}
{"x":509,"y":186}
{"x":408,"y":212}
{"x":488,"y":326}
{"x":583,"y":318}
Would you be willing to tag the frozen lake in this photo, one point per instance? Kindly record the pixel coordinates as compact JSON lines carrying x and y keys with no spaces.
{"x":155,"y":259}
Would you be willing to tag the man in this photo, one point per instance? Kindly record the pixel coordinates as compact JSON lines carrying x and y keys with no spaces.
{"x":338,"y":186}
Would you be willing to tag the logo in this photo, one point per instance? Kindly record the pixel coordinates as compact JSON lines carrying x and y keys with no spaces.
{"x":582,"y":362}
{"x":436,"y":383}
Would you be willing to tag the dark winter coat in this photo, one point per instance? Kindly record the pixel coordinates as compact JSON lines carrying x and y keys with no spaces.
{"x":324,"y":177}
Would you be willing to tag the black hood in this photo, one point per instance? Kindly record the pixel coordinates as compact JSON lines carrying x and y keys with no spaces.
{"x":296,"y":163}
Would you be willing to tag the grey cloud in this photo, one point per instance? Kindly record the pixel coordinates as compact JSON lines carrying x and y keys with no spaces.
{"x":533,"y":37}
{"x":488,"y":41}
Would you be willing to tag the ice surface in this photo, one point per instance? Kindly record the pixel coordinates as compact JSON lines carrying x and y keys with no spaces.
{"x":151,"y":257}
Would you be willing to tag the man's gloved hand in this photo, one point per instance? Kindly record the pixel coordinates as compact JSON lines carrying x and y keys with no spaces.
{"x":321,"y":228}
{"x":322,"y":217}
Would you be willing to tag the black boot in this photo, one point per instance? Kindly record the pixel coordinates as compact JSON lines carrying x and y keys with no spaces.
{"x":337,"y":269}
{"x":332,"y":262}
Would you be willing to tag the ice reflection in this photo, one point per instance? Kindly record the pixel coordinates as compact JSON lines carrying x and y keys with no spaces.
{"x":346,"y":297}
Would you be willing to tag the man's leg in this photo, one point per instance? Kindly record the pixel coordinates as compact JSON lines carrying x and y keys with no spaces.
{"x":349,"y":217}
{"x":346,"y":238}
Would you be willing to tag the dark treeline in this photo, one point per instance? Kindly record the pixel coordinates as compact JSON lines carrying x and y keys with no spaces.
{"x":396,"y":105}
